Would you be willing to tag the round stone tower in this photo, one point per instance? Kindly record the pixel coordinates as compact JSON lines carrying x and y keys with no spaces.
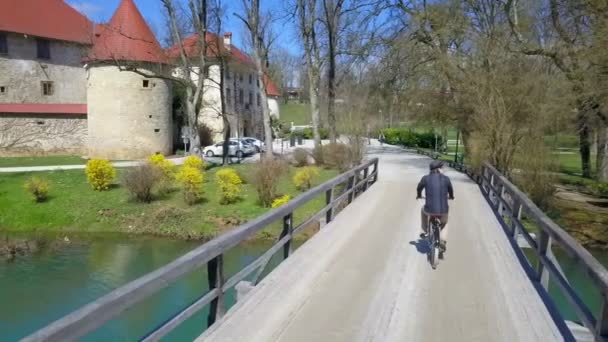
{"x":129,"y":114}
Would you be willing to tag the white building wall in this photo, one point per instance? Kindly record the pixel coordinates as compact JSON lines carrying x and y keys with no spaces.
{"x":273,"y":105}
{"x":127,"y":120}
{"x":22,"y":72}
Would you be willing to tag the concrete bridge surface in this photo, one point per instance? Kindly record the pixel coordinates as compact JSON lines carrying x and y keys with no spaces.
{"x":364,"y":277}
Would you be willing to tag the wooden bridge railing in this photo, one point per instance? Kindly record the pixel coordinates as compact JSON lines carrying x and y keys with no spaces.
{"x":510,"y":203}
{"x":211,"y":254}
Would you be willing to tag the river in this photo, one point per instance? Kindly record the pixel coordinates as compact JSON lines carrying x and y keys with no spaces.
{"x":40,"y":288}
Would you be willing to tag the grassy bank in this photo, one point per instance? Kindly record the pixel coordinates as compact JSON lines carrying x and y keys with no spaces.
{"x":41,"y":161}
{"x":298,"y":113}
{"x":74,"y":207}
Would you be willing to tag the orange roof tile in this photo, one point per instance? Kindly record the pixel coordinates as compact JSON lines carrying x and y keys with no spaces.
{"x":127,"y":37}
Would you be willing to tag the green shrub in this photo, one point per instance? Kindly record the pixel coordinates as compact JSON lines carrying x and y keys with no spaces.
{"x":100,"y":174}
{"x":141,"y":180}
{"x":229,"y":183}
{"x":410,"y":138}
{"x":601,"y":189}
{"x":300,"y":156}
{"x":308,"y":133}
{"x":191,"y":180}
{"x":39,"y":188}
{"x":303,"y":178}
{"x":265,"y":176}
{"x":280,"y":201}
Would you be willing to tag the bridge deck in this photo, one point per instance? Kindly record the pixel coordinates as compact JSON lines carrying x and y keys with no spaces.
{"x":362,"y":278}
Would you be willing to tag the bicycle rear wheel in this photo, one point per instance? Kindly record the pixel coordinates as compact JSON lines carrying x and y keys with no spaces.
{"x":434,"y":252}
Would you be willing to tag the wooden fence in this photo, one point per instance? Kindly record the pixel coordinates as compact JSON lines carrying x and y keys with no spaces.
{"x":211,"y":254}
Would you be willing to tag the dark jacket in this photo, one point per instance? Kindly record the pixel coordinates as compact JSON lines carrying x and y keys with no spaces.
{"x":437,"y":188}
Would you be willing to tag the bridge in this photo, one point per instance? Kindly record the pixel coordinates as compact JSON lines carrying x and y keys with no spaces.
{"x":365,"y":277}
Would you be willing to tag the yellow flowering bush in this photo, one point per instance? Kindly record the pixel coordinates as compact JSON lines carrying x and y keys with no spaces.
{"x":39,"y":188}
{"x":304,"y":177}
{"x":191,"y":181}
{"x":100,"y":174}
{"x":166,"y":166}
{"x":195,"y":162}
{"x":229,"y":183}
{"x":280,"y":201}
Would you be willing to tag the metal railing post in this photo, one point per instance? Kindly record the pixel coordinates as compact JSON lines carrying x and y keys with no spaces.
{"x":351,"y":183}
{"x":287,"y":230}
{"x":602,"y":320}
{"x":365,"y":175}
{"x":215,"y":277}
{"x":544,"y":244}
{"x":329,"y":199}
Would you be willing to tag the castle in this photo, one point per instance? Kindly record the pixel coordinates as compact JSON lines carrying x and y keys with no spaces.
{"x":62,"y":91}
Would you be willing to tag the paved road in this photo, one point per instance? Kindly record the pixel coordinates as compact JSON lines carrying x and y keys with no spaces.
{"x":364,"y":278}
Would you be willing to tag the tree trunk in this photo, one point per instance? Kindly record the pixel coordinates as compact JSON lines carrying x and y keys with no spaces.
{"x":194,"y":137}
{"x":602,"y":153}
{"x":331,"y":88}
{"x":584,"y":144}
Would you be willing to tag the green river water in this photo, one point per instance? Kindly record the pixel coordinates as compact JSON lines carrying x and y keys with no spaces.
{"x":40,"y":288}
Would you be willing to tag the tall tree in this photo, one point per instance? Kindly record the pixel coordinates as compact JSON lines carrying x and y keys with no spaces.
{"x":307,"y":19}
{"x":259,"y":29}
{"x":573,"y":25}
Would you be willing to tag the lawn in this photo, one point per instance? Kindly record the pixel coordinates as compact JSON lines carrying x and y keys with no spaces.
{"x":41,"y":161}
{"x":298,"y":113}
{"x":74,"y":207}
{"x":570,"y":163}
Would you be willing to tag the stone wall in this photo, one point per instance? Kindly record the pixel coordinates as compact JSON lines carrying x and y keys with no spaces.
{"x":126,"y":119}
{"x":22,"y":72}
{"x":42,"y":134}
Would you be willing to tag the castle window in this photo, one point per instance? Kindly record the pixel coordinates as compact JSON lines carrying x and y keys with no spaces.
{"x":228,"y":95}
{"x":3,"y":43}
{"x":47,"y":88}
{"x":40,"y":123}
{"x":150,"y":116}
{"x":257,"y":81}
{"x":250,"y":98}
{"x":250,"y":78}
{"x":241,"y":77}
{"x":146,"y":83}
{"x":227,"y":72}
{"x":3,"y":90}
{"x":156,"y":130}
{"x":241,"y":96}
{"x":44,"y":48}
{"x":259,"y":100}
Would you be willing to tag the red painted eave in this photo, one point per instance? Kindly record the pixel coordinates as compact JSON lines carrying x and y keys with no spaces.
{"x":43,"y":108}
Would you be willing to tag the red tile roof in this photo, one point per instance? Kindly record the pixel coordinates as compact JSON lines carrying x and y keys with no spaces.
{"x":52,"y":19}
{"x":43,"y":108}
{"x":271,"y":87}
{"x":127,"y":37}
{"x":237,"y":55}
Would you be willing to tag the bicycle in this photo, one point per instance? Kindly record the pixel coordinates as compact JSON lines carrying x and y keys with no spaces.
{"x":434,"y":241}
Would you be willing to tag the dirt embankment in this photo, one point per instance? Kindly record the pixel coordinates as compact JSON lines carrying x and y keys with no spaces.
{"x":585,"y":217}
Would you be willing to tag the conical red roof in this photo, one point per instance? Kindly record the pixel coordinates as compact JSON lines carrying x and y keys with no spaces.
{"x":127,"y":37}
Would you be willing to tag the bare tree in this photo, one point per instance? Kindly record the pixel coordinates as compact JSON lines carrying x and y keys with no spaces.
{"x":258,"y":26}
{"x":307,"y":19}
{"x":572,"y":24}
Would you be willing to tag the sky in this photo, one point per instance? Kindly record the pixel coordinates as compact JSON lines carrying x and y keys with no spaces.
{"x":152,"y":10}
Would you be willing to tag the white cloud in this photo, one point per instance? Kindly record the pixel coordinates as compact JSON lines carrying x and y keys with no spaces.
{"x":87,"y":8}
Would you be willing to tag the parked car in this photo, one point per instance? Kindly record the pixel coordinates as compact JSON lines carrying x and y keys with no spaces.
{"x":257,"y":144}
{"x":238,"y":149}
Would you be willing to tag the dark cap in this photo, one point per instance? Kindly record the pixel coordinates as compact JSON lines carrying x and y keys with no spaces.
{"x":435,"y":164}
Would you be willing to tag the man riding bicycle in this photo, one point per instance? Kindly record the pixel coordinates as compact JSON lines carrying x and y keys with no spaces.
{"x":438,"y":189}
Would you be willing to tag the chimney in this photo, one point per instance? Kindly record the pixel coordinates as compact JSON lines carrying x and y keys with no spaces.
{"x":227,"y":40}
